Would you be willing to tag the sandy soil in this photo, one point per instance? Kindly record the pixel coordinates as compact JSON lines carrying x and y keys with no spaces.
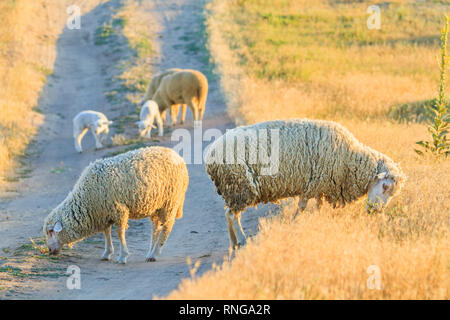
{"x":78,"y":83}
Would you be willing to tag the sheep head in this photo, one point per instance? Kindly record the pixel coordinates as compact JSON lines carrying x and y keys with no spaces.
{"x":51,"y":233}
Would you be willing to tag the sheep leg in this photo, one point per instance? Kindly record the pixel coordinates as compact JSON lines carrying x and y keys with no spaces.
{"x":150,"y":120}
{"x":302,"y":203}
{"x":104,"y":136}
{"x":160,"y":125}
{"x":109,"y":248}
{"x":98,"y":144}
{"x":194,"y":108}
{"x":238,"y":226}
{"x":163,"y":116}
{"x":78,"y":137}
{"x":174,"y":109}
{"x":154,"y":240}
{"x":231,"y":230}
{"x":201,"y":113}
{"x":183,"y":113}
{"x":165,"y":232}
{"x":124,"y":253}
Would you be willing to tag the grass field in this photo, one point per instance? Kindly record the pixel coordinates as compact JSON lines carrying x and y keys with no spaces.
{"x":281,"y":59}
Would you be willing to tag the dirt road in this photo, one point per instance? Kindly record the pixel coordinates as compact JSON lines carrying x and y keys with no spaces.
{"x":78,"y":83}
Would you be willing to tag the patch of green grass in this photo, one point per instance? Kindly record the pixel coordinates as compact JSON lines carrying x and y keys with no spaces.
{"x":143,"y":47}
{"x":13,"y":271}
{"x":34,"y":272}
{"x":412,"y":112}
{"x":60,"y":169}
{"x":12,"y":179}
{"x":105,"y":34}
{"x":281,"y":40}
{"x":120,"y":22}
{"x":38,"y":110}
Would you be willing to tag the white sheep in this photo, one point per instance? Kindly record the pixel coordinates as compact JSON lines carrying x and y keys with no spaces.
{"x":315,"y":159}
{"x":94,"y":121}
{"x":149,"y":114}
{"x":144,"y":183}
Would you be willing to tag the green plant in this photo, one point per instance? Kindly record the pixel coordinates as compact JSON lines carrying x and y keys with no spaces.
{"x":104,"y":34}
{"x":439,"y":144}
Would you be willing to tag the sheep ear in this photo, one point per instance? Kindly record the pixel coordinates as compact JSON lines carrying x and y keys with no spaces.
{"x":138,"y":122}
{"x":109,"y":122}
{"x":58,"y":227}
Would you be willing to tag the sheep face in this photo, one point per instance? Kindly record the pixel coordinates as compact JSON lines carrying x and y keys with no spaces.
{"x":145,"y":129}
{"x":53,"y":243}
{"x":142,"y":128}
{"x":380,"y":192}
{"x":102,"y":127}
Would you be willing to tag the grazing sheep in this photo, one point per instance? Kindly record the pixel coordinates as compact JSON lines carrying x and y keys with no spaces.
{"x":149,"y":113}
{"x":94,"y":121}
{"x":188,"y":87}
{"x":145,"y":183}
{"x":174,"y":109}
{"x":316,"y":159}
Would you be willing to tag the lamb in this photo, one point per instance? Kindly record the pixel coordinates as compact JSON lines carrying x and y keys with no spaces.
{"x":145,"y":183}
{"x":174,"y":109}
{"x":149,"y":113}
{"x":188,"y":87}
{"x":315,"y":159}
{"x":94,"y":121}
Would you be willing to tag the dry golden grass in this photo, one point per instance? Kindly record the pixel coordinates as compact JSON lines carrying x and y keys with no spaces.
{"x":352,"y":76}
{"x":326,"y":255}
{"x":28,"y":33}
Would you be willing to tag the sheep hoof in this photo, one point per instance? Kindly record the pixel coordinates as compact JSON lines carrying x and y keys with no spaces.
{"x":122,"y":260}
{"x":150,"y":259}
{"x":106,"y":257}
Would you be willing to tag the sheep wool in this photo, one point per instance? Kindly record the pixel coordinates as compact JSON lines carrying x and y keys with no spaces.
{"x":144,"y":183}
{"x":155,"y":82}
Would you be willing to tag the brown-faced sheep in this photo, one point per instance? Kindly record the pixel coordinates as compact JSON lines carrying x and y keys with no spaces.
{"x":145,"y":183}
{"x":188,"y":87}
{"x":174,"y":109}
{"x":309,"y":159}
